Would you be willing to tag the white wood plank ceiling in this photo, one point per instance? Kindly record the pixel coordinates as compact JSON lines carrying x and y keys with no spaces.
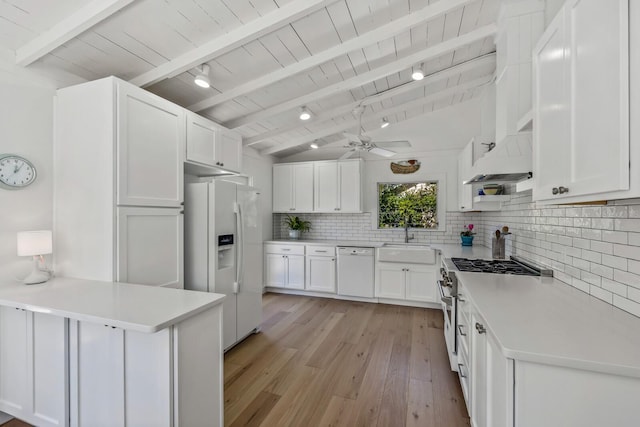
{"x":268,"y":58}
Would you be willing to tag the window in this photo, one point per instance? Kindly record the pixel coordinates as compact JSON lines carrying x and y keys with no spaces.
{"x":412,"y":203}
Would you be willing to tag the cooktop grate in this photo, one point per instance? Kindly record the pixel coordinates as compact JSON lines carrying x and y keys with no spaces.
{"x":497,"y":266}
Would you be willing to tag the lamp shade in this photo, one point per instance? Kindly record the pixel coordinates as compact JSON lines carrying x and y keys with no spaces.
{"x":32,"y":243}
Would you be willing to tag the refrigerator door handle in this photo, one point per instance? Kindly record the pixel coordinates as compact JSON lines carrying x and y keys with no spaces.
{"x":240,"y":245}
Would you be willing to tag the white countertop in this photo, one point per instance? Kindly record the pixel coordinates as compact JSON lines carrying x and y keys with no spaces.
{"x":132,"y":307}
{"x":546,"y":321}
{"x":349,"y":243}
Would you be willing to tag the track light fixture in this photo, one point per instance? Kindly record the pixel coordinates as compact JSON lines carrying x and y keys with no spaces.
{"x":305,"y":114}
{"x":202,"y":79}
{"x":384,"y":123}
{"x":418,"y":72}
{"x":313,"y":145}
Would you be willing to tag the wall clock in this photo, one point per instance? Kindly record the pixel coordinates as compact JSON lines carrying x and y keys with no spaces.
{"x":16,"y":172}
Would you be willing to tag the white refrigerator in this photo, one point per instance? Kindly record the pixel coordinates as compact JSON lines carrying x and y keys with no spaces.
{"x":223,"y":251}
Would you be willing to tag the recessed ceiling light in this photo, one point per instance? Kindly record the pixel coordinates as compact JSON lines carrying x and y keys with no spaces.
{"x":313,"y":145}
{"x":418,"y":73}
{"x":305,"y":114}
{"x":384,"y":123}
{"x":202,"y":79}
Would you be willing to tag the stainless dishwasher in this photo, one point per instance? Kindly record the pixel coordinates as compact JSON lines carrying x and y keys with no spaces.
{"x":355,"y":271}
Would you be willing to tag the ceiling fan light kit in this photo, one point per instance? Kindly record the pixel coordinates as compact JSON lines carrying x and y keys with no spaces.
{"x":202,"y":79}
{"x":305,"y":114}
{"x":418,"y":73}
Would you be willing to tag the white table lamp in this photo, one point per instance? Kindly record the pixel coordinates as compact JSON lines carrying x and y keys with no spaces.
{"x":36,"y":244}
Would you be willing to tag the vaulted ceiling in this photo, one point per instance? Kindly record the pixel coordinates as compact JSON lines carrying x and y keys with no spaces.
{"x":268,"y":58}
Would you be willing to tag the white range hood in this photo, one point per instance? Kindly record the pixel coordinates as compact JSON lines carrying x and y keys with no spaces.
{"x":509,"y":161}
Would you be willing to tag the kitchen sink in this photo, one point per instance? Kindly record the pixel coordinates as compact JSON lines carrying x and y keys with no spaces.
{"x":406,"y":253}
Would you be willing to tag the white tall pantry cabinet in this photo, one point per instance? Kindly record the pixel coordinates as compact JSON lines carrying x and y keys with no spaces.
{"x":118,"y":180}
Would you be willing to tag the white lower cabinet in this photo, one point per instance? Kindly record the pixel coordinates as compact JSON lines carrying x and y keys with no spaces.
{"x":412,"y":282}
{"x":284,"y":271}
{"x":33,"y":367}
{"x":127,"y":378}
{"x":321,"y":273}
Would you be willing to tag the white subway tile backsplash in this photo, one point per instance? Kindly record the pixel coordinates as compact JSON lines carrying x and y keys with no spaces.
{"x":602,"y":247}
{"x":615,"y":262}
{"x":634,"y":239}
{"x":615,"y":287}
{"x":601,"y":294}
{"x":627,"y":278}
{"x":626,"y":251}
{"x":627,"y":224}
{"x":593,"y":248}
{"x":615,"y":237}
{"x":627,"y":305}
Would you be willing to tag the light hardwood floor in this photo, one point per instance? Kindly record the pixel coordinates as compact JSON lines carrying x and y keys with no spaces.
{"x":326,"y":362}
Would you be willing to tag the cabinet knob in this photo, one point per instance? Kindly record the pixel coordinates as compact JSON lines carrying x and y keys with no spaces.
{"x":563,"y":190}
{"x":221,"y":164}
{"x":554,"y":190}
{"x":480,"y":328}
{"x":461,"y":207}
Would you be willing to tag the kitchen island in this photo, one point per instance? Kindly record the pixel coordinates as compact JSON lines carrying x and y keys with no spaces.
{"x":87,"y":353}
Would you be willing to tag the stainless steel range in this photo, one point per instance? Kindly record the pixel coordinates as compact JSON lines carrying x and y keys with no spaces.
{"x":448,"y":286}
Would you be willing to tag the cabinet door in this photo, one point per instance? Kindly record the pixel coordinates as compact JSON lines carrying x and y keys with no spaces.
{"x":551,"y":156}
{"x":421,"y":283}
{"x":465,"y":191}
{"x":325,"y":190}
{"x":282,"y":188}
{"x":14,"y":363}
{"x":350,"y":186}
{"x":201,"y":147}
{"x":500,"y":398}
{"x":150,"y":149}
{"x":390,"y":280}
{"x":321,"y":274}
{"x":97,"y":375}
{"x":478,"y":372}
{"x":275,"y":270}
{"x":599,"y":76}
{"x":295,"y":271}
{"x":48,"y":360}
{"x":150,"y":247}
{"x":229,"y":150}
{"x":303,"y":187}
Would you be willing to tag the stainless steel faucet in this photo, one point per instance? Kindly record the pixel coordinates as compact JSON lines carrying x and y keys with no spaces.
{"x":406,"y":232}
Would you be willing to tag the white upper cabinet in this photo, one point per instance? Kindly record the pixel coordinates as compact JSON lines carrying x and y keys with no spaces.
{"x":293,"y":187}
{"x":201,"y":140}
{"x":326,"y":191}
{"x":150,"y":144}
{"x":581,"y":98}
{"x":209,"y":144}
{"x":326,"y":186}
{"x":229,"y":145}
{"x":350,"y":185}
{"x":337,"y":186}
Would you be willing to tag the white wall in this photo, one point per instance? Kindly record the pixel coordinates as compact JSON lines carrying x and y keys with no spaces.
{"x":26,"y":128}
{"x":259,"y":167}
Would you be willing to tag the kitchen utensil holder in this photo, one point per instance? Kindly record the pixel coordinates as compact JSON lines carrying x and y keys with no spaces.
{"x":497,"y":247}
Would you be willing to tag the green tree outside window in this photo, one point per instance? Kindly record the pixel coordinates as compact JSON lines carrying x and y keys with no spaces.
{"x":415,"y":204}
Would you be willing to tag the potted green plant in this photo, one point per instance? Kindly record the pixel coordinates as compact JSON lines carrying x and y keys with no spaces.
{"x":296,"y":226}
{"x":467,"y":235}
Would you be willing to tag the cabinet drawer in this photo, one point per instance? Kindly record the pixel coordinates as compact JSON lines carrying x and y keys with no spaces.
{"x":284,"y":249}
{"x":321,"y":250}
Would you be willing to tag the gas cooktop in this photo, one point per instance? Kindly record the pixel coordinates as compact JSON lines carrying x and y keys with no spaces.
{"x":499,"y":266}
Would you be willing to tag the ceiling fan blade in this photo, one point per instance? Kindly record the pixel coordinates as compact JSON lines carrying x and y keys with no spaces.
{"x":392,"y":143}
{"x":382,"y":152}
{"x":347,"y":155}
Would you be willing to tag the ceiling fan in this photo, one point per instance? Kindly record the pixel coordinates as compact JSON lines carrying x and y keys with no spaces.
{"x":360,"y":142}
